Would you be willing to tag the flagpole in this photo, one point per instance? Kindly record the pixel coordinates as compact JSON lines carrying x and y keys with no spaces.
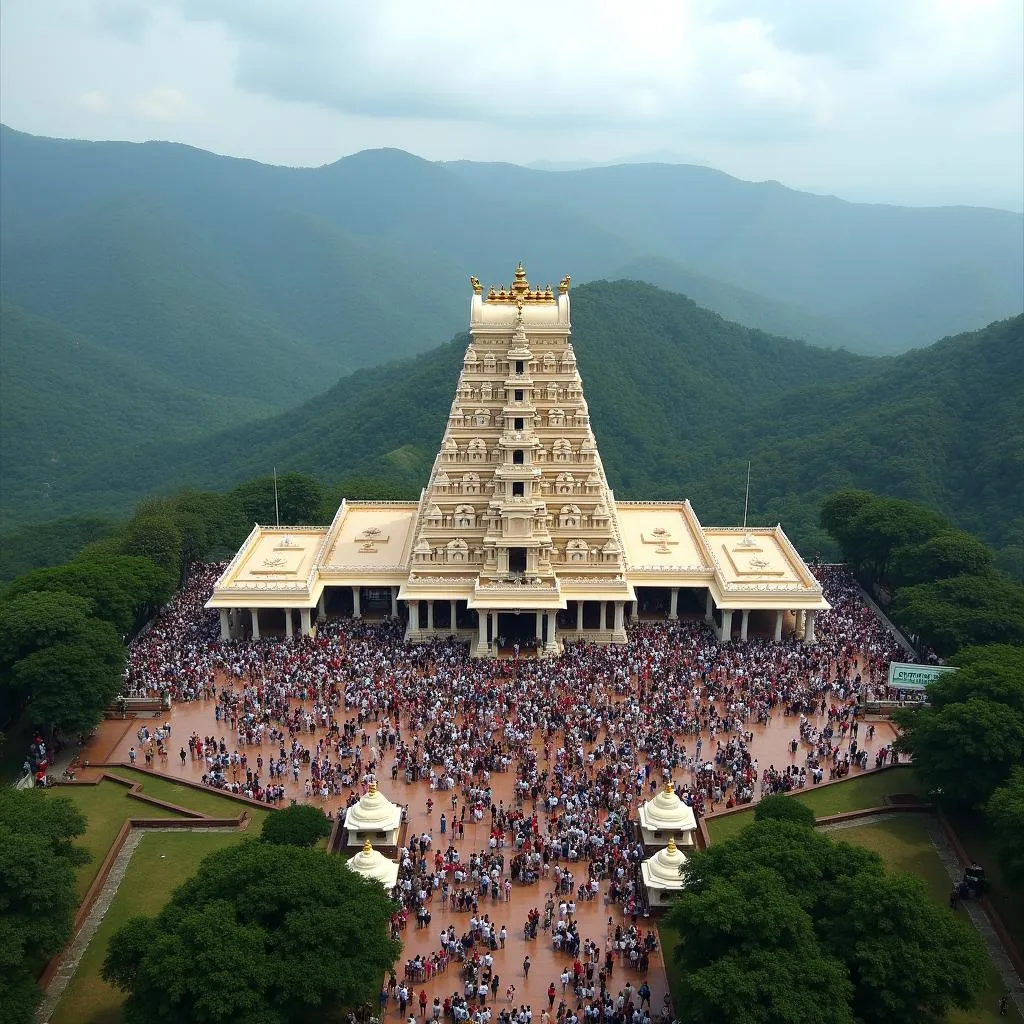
{"x":746,"y":497}
{"x":277,"y":510}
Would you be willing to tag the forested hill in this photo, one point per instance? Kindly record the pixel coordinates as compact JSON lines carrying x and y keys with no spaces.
{"x":679,"y":399}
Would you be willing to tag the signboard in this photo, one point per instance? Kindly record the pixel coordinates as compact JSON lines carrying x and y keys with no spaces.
{"x":903,"y":676}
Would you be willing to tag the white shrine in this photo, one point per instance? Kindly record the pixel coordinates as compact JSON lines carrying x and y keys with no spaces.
{"x":517,"y":537}
{"x":373,"y":817}
{"x":662,"y":874}
{"x":665,"y":816}
{"x":373,"y":865}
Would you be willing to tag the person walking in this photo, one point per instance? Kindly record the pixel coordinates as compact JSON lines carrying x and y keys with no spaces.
{"x":526,"y":967}
{"x":552,"y":991}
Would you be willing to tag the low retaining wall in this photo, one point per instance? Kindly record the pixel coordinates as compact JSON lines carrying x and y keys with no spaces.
{"x":188,"y":818}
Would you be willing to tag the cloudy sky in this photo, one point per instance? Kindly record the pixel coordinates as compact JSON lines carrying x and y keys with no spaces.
{"x":905,"y":101}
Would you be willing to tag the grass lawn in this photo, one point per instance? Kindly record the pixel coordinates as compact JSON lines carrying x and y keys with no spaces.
{"x":204,"y":801}
{"x":106,"y":807}
{"x":905,"y":846}
{"x":854,"y":794}
{"x":162,"y":862}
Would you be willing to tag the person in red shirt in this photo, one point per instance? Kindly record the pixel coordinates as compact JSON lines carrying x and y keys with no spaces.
{"x":551,"y":995}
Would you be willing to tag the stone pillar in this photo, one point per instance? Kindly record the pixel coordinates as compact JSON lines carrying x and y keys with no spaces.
{"x":494,"y":627}
{"x":620,"y":625}
{"x":394,"y":602}
{"x":538,"y":629}
{"x":673,"y":605}
{"x":481,"y":641}
{"x":744,"y":622}
{"x":709,"y":608}
{"x":801,"y":620}
{"x":307,"y":626}
{"x":809,"y":637}
{"x":255,"y":613}
{"x":579,"y":616}
{"x":414,"y":616}
{"x":551,"y":631}
{"x":288,"y":622}
{"x":225,"y":625}
{"x":430,"y":615}
{"x":779,"y":616}
{"x":357,"y":611}
{"x":726,"y":633}
{"x":453,"y":624}
{"x":321,"y":607}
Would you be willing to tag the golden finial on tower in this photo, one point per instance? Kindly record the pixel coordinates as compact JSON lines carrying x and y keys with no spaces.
{"x":372,"y":788}
{"x":367,"y":848}
{"x":669,"y":788}
{"x":563,"y":285}
{"x":671,"y":848}
{"x":475,"y":282}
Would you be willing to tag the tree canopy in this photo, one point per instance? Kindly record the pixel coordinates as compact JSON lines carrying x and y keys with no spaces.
{"x":37,"y":891}
{"x":298,"y":825}
{"x":782,"y":924}
{"x":57,"y":657}
{"x":780,"y":807}
{"x":262,"y":932}
{"x":965,"y":744}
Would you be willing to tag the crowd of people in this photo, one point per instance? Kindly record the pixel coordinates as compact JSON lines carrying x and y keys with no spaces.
{"x":583,"y":739}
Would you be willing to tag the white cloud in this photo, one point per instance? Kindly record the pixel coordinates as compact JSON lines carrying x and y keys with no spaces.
{"x":94,"y":100}
{"x":162,"y":104}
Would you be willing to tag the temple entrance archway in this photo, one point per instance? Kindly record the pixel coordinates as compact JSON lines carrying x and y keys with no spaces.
{"x":517,"y":627}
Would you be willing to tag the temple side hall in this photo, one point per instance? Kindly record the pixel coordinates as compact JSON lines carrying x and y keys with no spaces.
{"x":517,"y":541}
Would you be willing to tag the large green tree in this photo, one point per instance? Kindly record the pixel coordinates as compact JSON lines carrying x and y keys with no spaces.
{"x":961,"y":611}
{"x":125,"y":590}
{"x":779,"y":893}
{"x":298,"y":825}
{"x":1006,"y":812}
{"x":57,"y":657}
{"x":262,"y":932}
{"x":37,"y":891}
{"x":300,"y":499}
{"x":949,"y":553}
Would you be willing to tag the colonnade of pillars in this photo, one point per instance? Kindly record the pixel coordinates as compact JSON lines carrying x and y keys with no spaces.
{"x":231,"y":621}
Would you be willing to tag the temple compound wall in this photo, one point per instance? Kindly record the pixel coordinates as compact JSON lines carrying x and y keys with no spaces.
{"x":517,"y":540}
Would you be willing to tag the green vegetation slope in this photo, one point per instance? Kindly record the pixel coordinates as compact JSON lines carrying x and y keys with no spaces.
{"x":679,"y":399}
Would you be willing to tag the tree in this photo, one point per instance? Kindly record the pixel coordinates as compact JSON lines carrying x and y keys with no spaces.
{"x":261,"y":932}
{"x":962,"y":611}
{"x":748,"y":953}
{"x":779,"y":894}
{"x":1006,"y":812}
{"x":992,"y":671}
{"x":839,"y":513}
{"x":156,"y":536}
{"x":37,"y":891}
{"x":963,"y":750}
{"x":784,"y":808}
{"x":909,"y":959}
{"x":56,"y":656}
{"x":949,"y":553}
{"x":299,"y":499}
{"x":124,"y":590}
{"x":298,"y":825}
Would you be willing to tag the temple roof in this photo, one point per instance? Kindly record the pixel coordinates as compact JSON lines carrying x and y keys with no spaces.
{"x":665,"y":812}
{"x":374,"y":813}
{"x":371,"y":864}
{"x":663,"y":870}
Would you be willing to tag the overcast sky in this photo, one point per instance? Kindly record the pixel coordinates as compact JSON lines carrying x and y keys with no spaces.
{"x":905,"y":101}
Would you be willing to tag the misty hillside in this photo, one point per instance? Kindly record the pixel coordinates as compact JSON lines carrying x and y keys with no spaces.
{"x":679,"y":399}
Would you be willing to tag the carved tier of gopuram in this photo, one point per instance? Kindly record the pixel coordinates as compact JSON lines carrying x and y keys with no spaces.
{"x":517,"y":541}
{"x":517,"y":519}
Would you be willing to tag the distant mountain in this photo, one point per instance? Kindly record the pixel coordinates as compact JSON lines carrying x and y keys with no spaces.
{"x":202,"y":290}
{"x":679,"y":399}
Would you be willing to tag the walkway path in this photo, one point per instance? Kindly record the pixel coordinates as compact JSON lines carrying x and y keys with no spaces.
{"x":76,"y":949}
{"x":1004,"y":965}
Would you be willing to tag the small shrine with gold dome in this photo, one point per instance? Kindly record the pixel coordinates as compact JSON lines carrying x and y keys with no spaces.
{"x":371,"y":864}
{"x":373,"y":817}
{"x":665,"y":815}
{"x":662,"y":874}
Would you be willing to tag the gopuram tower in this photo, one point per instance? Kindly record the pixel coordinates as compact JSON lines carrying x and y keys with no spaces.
{"x":517,"y":519}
